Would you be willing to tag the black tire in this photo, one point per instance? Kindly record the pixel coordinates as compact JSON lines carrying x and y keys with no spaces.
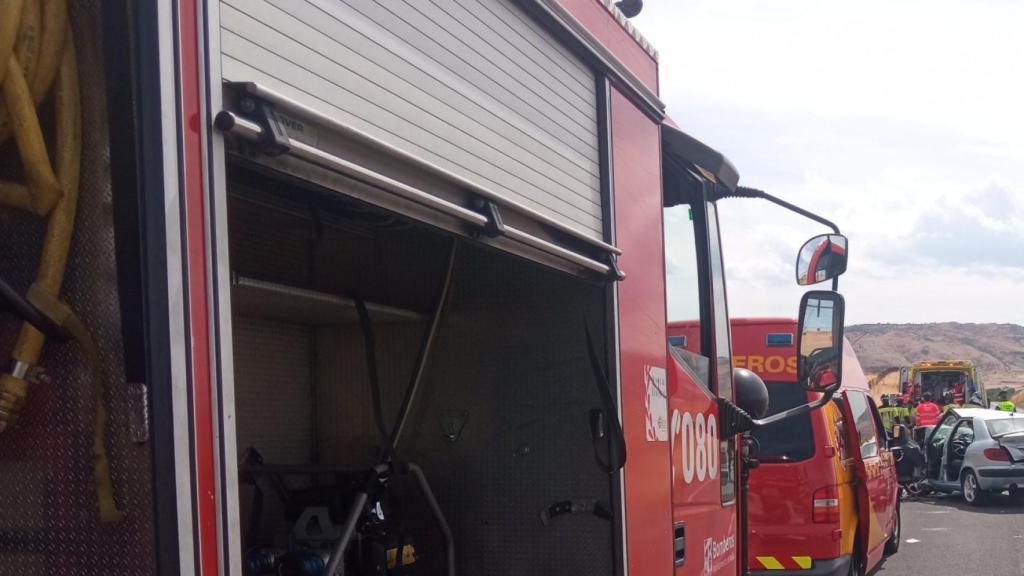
{"x":892,"y":545}
{"x":971,"y":490}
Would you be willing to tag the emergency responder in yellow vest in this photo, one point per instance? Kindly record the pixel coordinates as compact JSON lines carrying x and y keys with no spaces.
{"x":1006,"y":406}
{"x":887,"y":412}
{"x":903,"y":415}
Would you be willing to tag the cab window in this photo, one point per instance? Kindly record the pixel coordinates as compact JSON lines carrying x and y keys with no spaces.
{"x":864,"y":421}
{"x":791,"y":440}
{"x":880,"y":428}
{"x":683,"y":295}
{"x":723,"y":350}
{"x":692,"y":245}
{"x":695,"y":285}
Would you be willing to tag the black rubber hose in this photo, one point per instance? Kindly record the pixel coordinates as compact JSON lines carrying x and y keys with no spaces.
{"x":370,"y":347}
{"x":617,"y":439}
{"x":14,"y":303}
{"x":424,"y":356}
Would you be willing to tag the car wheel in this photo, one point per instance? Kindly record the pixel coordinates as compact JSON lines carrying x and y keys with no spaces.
{"x":892,"y":545}
{"x":973,"y":494}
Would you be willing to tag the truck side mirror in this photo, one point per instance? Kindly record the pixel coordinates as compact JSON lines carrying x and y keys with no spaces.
{"x":820,"y":361}
{"x":821,"y":258}
{"x":820,"y":341}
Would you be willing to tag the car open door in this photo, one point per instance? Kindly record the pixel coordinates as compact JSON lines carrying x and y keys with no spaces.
{"x":873,"y":499}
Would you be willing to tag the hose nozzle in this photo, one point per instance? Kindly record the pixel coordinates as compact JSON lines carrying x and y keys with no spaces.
{"x":13,"y":391}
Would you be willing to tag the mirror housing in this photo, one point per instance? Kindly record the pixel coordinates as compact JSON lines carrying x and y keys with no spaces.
{"x":821,"y":258}
{"x":820,"y":341}
{"x":751,"y":392}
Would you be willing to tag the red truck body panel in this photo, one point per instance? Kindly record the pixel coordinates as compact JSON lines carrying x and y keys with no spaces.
{"x":599,"y":21}
{"x":697,"y":502}
{"x":697,"y":507}
{"x":636,"y":156}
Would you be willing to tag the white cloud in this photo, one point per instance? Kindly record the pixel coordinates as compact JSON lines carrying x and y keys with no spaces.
{"x":900,"y":121}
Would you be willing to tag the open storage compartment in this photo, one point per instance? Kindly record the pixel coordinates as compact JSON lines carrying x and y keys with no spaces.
{"x":506,"y":423}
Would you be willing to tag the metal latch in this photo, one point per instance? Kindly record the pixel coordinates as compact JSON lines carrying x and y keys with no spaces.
{"x":679,"y":543}
{"x":495,"y":224}
{"x":138,"y":412}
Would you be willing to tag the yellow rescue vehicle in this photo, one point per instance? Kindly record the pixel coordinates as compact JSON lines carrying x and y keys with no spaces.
{"x":949,"y":382}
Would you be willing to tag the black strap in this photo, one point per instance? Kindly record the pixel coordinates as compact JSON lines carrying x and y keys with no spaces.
{"x":370,"y":347}
{"x":617,"y":440}
{"x":585,"y":506}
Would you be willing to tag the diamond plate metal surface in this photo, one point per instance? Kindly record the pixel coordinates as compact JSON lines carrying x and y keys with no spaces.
{"x":48,"y":515}
{"x":511,"y":355}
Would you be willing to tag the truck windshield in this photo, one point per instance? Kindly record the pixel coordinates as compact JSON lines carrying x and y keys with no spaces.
{"x":1004,"y":426}
{"x":791,"y":440}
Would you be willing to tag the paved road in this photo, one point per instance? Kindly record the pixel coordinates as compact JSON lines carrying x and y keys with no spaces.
{"x":944,"y":536}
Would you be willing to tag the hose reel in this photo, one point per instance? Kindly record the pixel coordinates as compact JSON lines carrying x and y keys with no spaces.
{"x":37,"y":58}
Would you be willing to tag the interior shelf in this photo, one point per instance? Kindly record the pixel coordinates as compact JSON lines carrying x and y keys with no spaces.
{"x":273,"y":301}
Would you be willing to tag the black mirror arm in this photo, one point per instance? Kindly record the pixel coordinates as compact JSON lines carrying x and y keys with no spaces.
{"x":720,"y":192}
{"x":736,"y":421}
{"x":826,"y":396}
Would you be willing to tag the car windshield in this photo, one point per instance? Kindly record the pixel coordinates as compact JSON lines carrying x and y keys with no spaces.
{"x":943,"y":429}
{"x":791,"y":440}
{"x":1004,"y":426}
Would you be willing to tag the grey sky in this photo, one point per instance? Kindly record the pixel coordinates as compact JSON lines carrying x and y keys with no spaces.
{"x":901,"y":121}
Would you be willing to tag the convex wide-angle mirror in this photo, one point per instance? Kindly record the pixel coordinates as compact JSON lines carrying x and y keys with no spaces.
{"x":820,"y":340}
{"x":821,"y":258}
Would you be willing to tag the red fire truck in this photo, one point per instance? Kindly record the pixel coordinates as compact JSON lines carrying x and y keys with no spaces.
{"x":361,"y":286}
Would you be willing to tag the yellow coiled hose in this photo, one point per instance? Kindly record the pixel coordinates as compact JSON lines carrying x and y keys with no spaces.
{"x":37,"y":55}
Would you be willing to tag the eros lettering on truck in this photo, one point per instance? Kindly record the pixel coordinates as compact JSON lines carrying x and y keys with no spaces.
{"x":319,"y":287}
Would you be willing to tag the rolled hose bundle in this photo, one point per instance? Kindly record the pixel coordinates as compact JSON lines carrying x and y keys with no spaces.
{"x":37,"y":56}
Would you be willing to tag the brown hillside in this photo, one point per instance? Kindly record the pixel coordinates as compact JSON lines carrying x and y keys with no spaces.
{"x":885,"y":382}
{"x":997,"y":349}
